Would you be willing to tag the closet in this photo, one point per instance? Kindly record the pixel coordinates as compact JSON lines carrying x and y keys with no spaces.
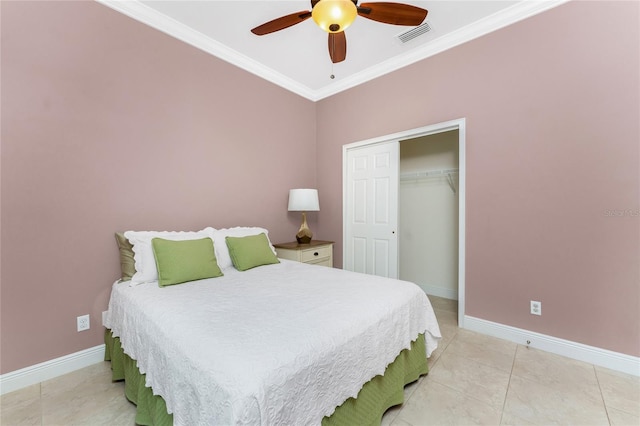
{"x":404,"y":208}
{"x":428,"y":213}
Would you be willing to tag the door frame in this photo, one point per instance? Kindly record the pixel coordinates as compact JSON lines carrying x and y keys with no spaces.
{"x":457,"y":124}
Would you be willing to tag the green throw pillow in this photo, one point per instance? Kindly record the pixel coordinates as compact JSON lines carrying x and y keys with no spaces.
{"x":127,"y":262}
{"x":184,"y":260}
{"x":249,"y":252}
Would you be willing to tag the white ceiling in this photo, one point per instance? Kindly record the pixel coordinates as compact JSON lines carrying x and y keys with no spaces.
{"x":297,"y":57}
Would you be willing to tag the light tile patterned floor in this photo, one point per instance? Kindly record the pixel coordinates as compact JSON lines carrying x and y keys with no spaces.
{"x":473,"y":379}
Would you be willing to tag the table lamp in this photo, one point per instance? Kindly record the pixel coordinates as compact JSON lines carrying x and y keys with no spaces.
{"x":304,"y":200}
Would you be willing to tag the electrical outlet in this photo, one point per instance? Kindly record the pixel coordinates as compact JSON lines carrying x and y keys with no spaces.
{"x":536,"y":308}
{"x":83,"y":322}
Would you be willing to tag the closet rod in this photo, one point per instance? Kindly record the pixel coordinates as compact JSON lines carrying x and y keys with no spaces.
{"x":432,"y":173}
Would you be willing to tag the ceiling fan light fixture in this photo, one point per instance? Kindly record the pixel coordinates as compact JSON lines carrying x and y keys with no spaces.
{"x":334,"y":16}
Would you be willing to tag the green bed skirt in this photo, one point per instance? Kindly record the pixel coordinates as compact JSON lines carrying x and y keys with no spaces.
{"x":375,"y":397}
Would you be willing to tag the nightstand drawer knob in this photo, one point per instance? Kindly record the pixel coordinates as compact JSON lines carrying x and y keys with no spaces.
{"x":316,"y":254}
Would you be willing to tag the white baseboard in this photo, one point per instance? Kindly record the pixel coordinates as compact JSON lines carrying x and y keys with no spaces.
{"x":47,"y":370}
{"x":447,"y":293}
{"x":591,"y":354}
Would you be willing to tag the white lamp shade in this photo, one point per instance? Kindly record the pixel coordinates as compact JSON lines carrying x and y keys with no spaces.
{"x":303,"y":200}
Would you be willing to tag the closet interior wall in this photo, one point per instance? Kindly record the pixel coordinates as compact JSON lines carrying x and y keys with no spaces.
{"x":428,"y":213}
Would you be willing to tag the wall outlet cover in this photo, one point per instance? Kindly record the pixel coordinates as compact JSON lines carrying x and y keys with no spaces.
{"x":536,"y":307}
{"x":83,"y":322}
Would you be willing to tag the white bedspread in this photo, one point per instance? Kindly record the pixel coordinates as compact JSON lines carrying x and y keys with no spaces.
{"x":279,"y":344}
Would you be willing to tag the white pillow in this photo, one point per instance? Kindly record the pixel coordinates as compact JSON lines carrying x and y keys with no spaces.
{"x":145,"y":262}
{"x":220,"y":244}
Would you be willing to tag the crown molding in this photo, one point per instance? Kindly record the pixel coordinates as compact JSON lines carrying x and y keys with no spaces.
{"x":504,"y":18}
{"x":148,"y":16}
{"x":142,"y":13}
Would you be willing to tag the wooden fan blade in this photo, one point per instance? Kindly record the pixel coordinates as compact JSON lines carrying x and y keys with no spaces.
{"x":393,"y":13}
{"x":337,"y":47}
{"x":281,"y":23}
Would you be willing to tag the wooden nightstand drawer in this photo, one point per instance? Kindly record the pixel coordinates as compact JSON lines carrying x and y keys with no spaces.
{"x":327,"y":261}
{"x":316,"y":254}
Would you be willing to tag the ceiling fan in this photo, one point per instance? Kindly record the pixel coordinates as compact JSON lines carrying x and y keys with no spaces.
{"x":334,"y":16}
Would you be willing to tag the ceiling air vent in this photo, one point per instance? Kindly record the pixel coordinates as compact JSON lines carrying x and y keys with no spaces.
{"x":414,"y":32}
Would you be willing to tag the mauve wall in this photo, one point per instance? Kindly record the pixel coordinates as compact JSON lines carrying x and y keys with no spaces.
{"x":110,"y":125}
{"x":553,"y":183}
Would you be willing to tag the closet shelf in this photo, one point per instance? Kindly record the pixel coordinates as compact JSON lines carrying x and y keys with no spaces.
{"x":427,"y":174}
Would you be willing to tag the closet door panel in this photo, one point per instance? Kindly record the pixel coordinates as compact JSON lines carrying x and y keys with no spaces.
{"x":360,"y":201}
{"x":381,"y":201}
{"x":371,"y":207}
{"x":359,"y":255}
{"x":380,"y":257}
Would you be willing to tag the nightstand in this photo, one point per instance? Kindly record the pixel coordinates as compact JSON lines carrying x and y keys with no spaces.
{"x":315,"y":253}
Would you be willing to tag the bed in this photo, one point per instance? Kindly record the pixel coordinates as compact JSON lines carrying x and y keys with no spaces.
{"x":266,"y":341}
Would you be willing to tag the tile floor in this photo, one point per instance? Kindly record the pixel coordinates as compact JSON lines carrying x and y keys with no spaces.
{"x":473,"y":379}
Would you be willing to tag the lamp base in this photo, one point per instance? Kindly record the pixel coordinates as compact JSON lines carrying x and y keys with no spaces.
{"x":305,"y":239}
{"x":304,"y":234}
